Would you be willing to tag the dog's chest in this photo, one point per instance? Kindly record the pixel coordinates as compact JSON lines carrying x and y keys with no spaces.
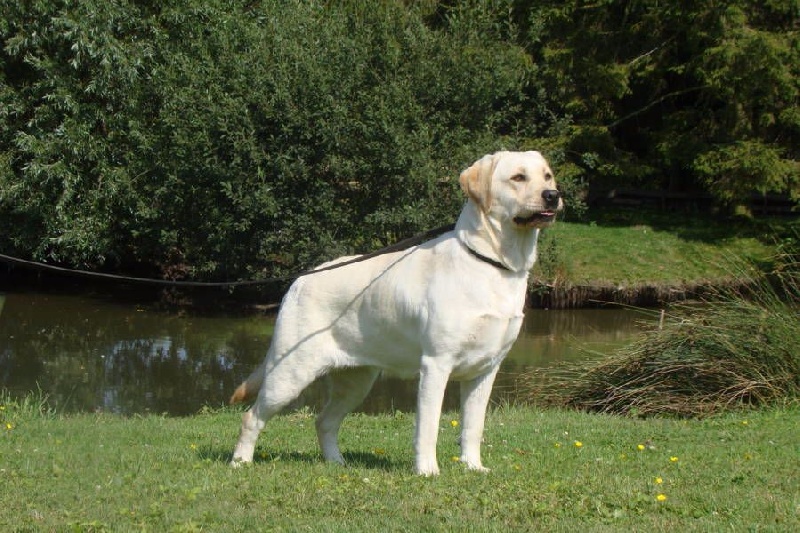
{"x":486,"y":345}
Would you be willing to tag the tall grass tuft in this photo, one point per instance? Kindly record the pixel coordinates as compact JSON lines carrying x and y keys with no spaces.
{"x":740,"y":348}
{"x":28,"y":407}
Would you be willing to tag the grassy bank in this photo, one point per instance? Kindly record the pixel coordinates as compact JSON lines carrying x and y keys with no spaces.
{"x":644,"y":257}
{"x":552,"y":470}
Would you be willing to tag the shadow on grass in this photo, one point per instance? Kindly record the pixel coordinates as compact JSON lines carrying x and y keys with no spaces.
{"x":367,"y":460}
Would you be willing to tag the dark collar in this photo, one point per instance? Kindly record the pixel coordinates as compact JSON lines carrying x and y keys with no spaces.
{"x":488,"y":260}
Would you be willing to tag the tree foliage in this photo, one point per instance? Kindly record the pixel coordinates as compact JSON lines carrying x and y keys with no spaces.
{"x":677,"y":94}
{"x":236,"y":138}
{"x":227,"y":138}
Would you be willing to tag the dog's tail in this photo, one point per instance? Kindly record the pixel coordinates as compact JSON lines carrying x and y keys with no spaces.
{"x":248,"y":390}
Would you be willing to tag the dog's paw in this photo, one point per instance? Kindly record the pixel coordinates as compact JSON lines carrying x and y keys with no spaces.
{"x":427,"y":469}
{"x":333,"y":455}
{"x":237,"y":462}
{"x":475,"y":466}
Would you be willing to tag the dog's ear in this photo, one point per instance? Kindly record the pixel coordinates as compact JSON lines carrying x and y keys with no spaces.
{"x":476,"y":181}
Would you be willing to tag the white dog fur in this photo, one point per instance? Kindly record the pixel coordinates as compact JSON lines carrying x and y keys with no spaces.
{"x":448,"y":309}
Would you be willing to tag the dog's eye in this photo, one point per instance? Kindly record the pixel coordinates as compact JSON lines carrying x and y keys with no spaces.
{"x":548,"y":176}
{"x":518,"y":177}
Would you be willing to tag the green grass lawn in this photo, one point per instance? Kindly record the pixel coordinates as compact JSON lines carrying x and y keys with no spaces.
{"x":552,"y":470}
{"x":635,"y":248}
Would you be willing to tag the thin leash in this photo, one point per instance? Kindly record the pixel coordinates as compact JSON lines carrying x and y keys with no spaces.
{"x":396,"y":247}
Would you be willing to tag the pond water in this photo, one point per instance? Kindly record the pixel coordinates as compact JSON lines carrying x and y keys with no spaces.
{"x":93,"y":353}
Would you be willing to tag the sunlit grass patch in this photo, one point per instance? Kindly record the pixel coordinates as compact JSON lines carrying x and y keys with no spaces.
{"x":647,"y":247}
{"x":106,"y":472}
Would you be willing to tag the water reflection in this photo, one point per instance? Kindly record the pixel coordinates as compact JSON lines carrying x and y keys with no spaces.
{"x":90,"y":353}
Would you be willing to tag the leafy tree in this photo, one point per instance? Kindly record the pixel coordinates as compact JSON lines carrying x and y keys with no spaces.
{"x":72,"y":86}
{"x":230,"y":138}
{"x":751,"y":77}
{"x":675,"y":94}
{"x":224,"y":139}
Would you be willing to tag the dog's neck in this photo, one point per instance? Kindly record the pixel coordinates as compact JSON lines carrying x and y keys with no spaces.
{"x":510,"y":246}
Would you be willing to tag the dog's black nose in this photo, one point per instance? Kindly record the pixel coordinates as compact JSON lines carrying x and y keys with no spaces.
{"x":550,"y":197}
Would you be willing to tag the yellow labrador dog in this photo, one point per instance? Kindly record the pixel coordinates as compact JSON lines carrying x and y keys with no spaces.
{"x":448,"y":309}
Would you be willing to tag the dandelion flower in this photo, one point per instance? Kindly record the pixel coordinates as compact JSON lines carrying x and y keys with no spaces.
{"x":9,"y":426}
{"x":379,"y":451}
{"x":454,"y":423}
{"x":578,"y":444}
{"x":659,"y":481}
{"x":193,"y":446}
{"x":673,"y":459}
{"x":455,"y":459}
{"x":661,"y":497}
{"x":640,"y":447}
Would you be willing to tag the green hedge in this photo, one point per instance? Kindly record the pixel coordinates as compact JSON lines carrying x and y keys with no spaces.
{"x":224,"y":139}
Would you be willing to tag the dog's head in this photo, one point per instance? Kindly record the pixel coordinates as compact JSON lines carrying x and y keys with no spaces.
{"x":516,"y":187}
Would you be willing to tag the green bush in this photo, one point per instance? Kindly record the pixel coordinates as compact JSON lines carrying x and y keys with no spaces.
{"x":221,"y":139}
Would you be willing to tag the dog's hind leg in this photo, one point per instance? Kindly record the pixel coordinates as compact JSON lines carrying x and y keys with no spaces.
{"x":283,"y":382}
{"x":252,"y":424}
{"x":347,"y":388}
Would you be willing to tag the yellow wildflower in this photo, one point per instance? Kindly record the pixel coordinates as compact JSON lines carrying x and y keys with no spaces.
{"x":673,"y":459}
{"x":659,"y":481}
{"x":661,"y":497}
{"x":454,"y":423}
{"x":9,"y":426}
{"x":640,"y":447}
{"x":578,"y":444}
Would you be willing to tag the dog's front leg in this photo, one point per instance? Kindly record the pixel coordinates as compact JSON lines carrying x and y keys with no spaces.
{"x":474,"y":401}
{"x":432,"y":383}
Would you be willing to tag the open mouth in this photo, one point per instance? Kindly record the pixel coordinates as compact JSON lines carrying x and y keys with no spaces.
{"x":536,"y":219}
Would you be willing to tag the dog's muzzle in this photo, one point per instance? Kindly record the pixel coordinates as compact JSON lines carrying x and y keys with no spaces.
{"x":545,"y":216}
